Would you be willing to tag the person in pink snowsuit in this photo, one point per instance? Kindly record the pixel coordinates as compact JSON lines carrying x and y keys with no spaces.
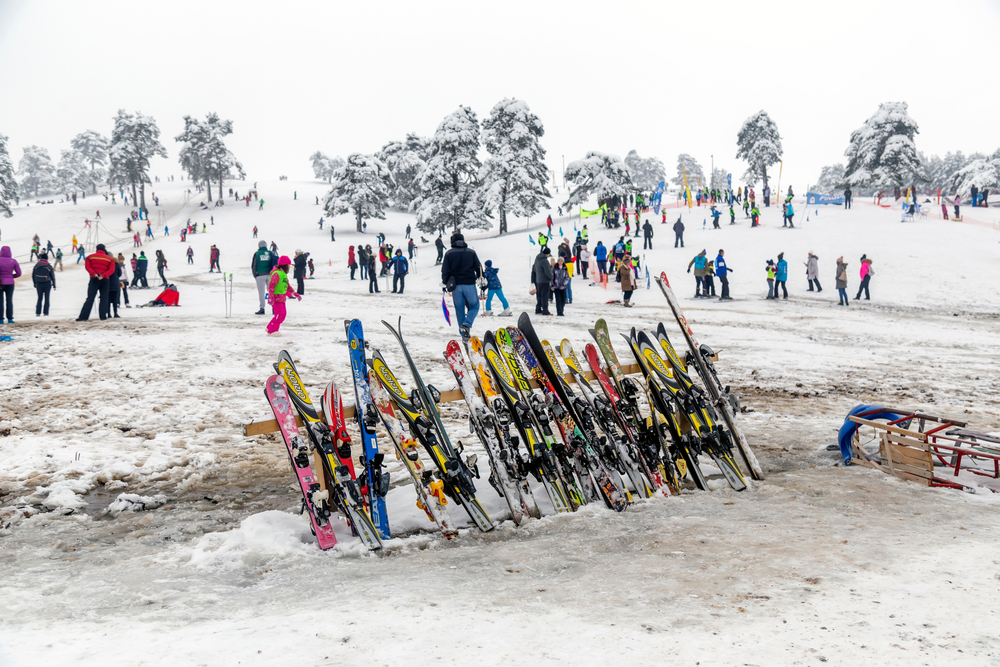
{"x":279,"y":289}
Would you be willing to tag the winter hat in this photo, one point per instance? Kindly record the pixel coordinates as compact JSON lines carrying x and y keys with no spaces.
{"x":781,"y":255}
{"x":489,"y":263}
{"x":298,"y":251}
{"x":284,"y":261}
{"x":458,"y":237}
{"x":261,"y":244}
{"x":100,"y":246}
{"x":43,"y":256}
{"x":863,"y":257}
{"x":546,"y":251}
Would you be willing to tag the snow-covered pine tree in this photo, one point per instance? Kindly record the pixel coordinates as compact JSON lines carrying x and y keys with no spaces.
{"x":513,"y":177}
{"x":695,"y":175}
{"x":983,"y":172}
{"x":405,"y":160}
{"x":36,"y":170}
{"x":881,"y":152}
{"x":599,"y":175}
{"x":831,"y":178}
{"x":449,"y":180}
{"x":361,"y":187}
{"x":760,"y":145}
{"x":94,"y":148}
{"x":8,"y":186}
{"x":205,"y":155}
{"x":135,"y":140}
{"x":646,"y":172}
{"x":720,"y":179}
{"x":73,"y":172}
{"x":324,"y":166}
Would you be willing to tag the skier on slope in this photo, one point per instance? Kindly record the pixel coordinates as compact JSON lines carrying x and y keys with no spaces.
{"x":279,"y":290}
{"x":699,"y":262}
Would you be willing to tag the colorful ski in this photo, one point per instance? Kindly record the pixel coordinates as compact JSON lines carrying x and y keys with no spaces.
{"x":454,"y":472}
{"x":703,"y":364}
{"x":482,"y":422}
{"x":431,"y":497}
{"x":345,"y":491}
{"x":376,"y":482}
{"x":315,"y":499}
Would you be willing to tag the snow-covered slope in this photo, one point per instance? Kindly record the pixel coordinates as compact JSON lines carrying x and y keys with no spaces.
{"x":216,"y":559}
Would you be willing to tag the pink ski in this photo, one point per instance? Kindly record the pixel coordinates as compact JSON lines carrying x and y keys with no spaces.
{"x":315,"y":499}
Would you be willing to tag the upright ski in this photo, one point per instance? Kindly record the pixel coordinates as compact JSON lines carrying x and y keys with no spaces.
{"x":376,"y":482}
{"x":482,"y":422}
{"x":315,"y":499}
{"x":720,"y":395}
{"x":346,"y":494}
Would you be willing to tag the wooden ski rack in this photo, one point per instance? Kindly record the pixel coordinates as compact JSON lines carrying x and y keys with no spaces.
{"x":935,"y":453}
{"x":271,"y":425}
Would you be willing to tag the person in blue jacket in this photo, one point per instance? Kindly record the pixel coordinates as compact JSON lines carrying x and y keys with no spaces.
{"x":601,"y":255}
{"x":781,"y":275}
{"x":400,"y":267}
{"x":494,"y":288}
{"x":789,"y":212}
{"x":715,"y":217}
{"x":722,"y":272}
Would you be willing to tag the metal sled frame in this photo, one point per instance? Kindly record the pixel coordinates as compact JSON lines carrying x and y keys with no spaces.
{"x":917,"y":455}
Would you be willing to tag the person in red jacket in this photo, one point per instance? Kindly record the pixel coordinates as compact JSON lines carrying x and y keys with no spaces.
{"x":100,"y":266}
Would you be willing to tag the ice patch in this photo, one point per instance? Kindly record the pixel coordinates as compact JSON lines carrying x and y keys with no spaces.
{"x":260,"y":538}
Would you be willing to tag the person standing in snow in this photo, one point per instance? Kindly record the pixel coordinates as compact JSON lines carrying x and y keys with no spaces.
{"x":647,"y":236}
{"x":400,"y":267}
{"x":560,"y":280}
{"x":300,"y":271}
{"x":627,"y":280}
{"x":100,"y":266}
{"x":213,"y":254}
{"x":370,"y":271}
{"x":958,"y":204}
{"x":115,"y":289}
{"x":584,"y":259}
{"x":847,"y":198}
{"x":722,"y":272}
{"x":411,"y":249}
{"x":781,"y":276}
{"x":352,"y":262}
{"x":541,"y":278}
{"x":439,"y":244}
{"x":123,"y":279}
{"x":679,"y":233}
{"x":460,"y":271}
{"x":255,"y":231}
{"x":141,"y":266}
{"x":44,"y":278}
{"x":494,"y":288}
{"x":279,"y":290}
{"x":9,"y":270}
{"x":812,"y":272}
{"x":59,"y":256}
{"x":161,"y":266}
{"x":866,"y":277}
{"x":770,"y":279}
{"x":842,"y":281}
{"x":767,"y":196}
{"x":699,"y":262}
{"x":260,"y":267}
{"x":261,"y":207}
{"x":407,"y":232}
{"x":190,"y":256}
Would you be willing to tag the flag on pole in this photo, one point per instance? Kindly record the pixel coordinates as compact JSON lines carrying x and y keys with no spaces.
{"x":532,"y":239}
{"x":687,"y":190}
{"x":444,"y":306}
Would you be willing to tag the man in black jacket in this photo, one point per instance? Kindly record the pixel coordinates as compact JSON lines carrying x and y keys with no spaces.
{"x":541,"y":278}
{"x":439,"y":244}
{"x":141,"y":265}
{"x":679,"y":233}
{"x":44,"y":279}
{"x":300,"y":270}
{"x":647,"y":236}
{"x":459,"y":272}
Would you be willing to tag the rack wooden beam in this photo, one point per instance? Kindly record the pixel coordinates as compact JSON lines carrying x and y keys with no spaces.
{"x":271,"y":426}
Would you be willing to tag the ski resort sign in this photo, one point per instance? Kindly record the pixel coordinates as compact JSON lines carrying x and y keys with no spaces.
{"x":815,"y":198}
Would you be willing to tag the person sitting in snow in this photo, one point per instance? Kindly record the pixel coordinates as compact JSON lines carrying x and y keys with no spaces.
{"x":168,"y":297}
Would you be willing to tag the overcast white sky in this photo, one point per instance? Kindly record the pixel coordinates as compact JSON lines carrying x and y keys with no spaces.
{"x":660,"y":77}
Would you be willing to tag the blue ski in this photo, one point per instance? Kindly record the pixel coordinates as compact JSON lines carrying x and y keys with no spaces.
{"x":368,"y":416}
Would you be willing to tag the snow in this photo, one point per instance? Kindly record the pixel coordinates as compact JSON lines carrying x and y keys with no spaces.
{"x":817,"y":562}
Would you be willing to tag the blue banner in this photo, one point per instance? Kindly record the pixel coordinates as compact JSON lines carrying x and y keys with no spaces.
{"x":815,"y":198}
{"x":657,"y":196}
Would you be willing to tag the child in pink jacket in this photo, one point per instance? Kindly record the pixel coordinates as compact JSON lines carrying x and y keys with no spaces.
{"x":278,"y":290}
